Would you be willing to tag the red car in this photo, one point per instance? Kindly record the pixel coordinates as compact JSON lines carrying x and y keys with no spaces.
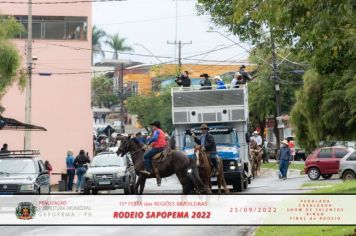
{"x":324,"y":162}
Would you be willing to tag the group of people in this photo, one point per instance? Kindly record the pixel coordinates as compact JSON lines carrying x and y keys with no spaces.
{"x":240,"y":77}
{"x":76,"y":166}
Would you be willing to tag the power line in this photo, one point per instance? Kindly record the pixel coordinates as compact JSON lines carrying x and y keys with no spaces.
{"x":59,"y":2}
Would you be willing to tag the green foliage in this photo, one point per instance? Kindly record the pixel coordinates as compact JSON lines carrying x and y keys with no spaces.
{"x":102,"y":92}
{"x":117,"y":44}
{"x":10,"y":60}
{"x":319,"y":32}
{"x":97,"y":36}
{"x":152,"y":107}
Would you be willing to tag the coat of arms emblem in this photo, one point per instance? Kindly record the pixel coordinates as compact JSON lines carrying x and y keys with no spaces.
{"x":25,"y":211}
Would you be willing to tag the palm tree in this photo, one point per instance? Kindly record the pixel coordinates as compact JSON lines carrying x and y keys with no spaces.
{"x":97,"y":35}
{"x":117,"y":44}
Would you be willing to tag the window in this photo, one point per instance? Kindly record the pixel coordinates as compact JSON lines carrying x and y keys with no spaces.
{"x":340,"y":153}
{"x":352,"y":157}
{"x":56,"y":27}
{"x":325,"y":153}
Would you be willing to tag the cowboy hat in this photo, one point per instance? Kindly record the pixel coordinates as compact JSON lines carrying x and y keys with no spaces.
{"x":156,"y":123}
{"x":204,"y":126}
{"x":217,"y":77}
{"x":285,"y":142}
{"x":255,"y":132}
{"x":205,"y":75}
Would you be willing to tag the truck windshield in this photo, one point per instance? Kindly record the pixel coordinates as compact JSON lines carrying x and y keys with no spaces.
{"x":220,"y":139}
{"x":17,"y":166}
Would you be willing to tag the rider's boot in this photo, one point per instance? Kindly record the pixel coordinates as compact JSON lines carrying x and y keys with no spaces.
{"x":159,"y":181}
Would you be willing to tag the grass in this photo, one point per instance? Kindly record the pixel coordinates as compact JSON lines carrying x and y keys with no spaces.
{"x":345,"y":187}
{"x":275,"y":166}
{"x":305,"y":231}
{"x":318,"y":184}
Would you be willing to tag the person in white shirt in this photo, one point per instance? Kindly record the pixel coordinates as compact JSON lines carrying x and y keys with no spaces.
{"x":257,"y":138}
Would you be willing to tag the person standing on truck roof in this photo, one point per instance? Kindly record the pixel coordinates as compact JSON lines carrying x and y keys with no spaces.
{"x":220,"y":83}
{"x":208,"y":145}
{"x":158,"y":142}
{"x":205,"y":82}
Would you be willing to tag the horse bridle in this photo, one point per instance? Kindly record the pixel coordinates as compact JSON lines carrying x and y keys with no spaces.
{"x":127,"y":147}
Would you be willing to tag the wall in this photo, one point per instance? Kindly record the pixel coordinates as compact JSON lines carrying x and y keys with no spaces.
{"x":60,"y":102}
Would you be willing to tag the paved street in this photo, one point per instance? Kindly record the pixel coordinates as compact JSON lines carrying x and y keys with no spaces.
{"x":125,"y":230}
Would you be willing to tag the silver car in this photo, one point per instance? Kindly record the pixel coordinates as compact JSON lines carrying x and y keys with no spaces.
{"x":347,"y":170}
{"x":108,"y":171}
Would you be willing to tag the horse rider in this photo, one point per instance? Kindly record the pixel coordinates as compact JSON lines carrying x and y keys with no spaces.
{"x":158,"y":143}
{"x":257,"y":138}
{"x":208,"y":145}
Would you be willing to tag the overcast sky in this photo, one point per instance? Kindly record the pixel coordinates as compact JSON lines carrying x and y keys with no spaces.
{"x":153,"y":22}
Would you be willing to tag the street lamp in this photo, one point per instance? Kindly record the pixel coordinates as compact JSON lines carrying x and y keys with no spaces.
{"x":150,"y":52}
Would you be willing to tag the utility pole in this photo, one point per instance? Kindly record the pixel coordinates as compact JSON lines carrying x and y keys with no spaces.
{"x":275,"y":76}
{"x":28,"y":102}
{"x":180,"y":44}
{"x":121,"y":92}
{"x":277,"y":89}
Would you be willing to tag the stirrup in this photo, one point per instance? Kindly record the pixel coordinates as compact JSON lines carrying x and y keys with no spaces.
{"x":145,"y":172}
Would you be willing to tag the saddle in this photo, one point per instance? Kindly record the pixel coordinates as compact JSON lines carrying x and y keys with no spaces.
{"x":159,"y":157}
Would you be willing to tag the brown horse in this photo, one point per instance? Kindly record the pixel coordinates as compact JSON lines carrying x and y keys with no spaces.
{"x":175,"y":162}
{"x":256,"y":158}
{"x":205,"y":169}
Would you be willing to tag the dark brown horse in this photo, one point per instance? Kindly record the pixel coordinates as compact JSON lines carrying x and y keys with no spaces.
{"x":175,"y":162}
{"x":205,"y":170}
{"x":256,"y":158}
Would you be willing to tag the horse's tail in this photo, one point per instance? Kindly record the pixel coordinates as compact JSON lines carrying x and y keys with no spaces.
{"x":194,"y":175}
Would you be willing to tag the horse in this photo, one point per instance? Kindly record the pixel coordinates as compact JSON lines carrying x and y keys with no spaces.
{"x":205,"y":169}
{"x":256,"y":158}
{"x":174,"y":162}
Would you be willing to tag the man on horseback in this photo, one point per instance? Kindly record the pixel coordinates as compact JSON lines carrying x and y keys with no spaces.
{"x":158,"y":143}
{"x":208,"y":145}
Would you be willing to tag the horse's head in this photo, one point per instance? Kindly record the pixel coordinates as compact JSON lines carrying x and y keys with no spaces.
{"x":124,"y":145}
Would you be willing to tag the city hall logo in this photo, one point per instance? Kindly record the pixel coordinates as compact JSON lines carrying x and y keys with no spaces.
{"x":25,"y":211}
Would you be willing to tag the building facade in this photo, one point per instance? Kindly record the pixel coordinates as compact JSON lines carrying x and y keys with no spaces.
{"x":61,"y":100}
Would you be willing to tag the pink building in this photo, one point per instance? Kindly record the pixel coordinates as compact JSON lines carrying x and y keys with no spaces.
{"x":60,"y":102}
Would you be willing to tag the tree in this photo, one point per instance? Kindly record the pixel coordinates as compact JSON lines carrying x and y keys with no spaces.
{"x":10,"y":59}
{"x":117,"y":44}
{"x":262,"y":101}
{"x":102,"y":92}
{"x":320,"y":32}
{"x":97,"y":36}
{"x":152,"y":107}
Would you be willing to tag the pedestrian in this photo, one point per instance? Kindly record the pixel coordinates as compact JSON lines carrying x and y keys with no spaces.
{"x":205,"y":82}
{"x":220,"y":83}
{"x":48,"y":167}
{"x":80,"y":164}
{"x":103,"y":116}
{"x":208,"y":145}
{"x":70,"y":170}
{"x":4,"y":148}
{"x":257,"y":138}
{"x":285,"y":158}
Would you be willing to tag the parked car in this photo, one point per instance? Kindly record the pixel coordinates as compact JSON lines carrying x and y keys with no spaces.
{"x":347,"y":170}
{"x":108,"y":171}
{"x":324,"y":162}
{"x":23,"y":172}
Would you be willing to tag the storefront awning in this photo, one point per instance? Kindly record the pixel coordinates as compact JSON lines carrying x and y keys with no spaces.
{"x":12,"y":124}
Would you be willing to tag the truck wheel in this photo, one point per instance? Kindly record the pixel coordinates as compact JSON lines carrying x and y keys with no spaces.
{"x":238,"y":185}
{"x":348,"y":175}
{"x":314,"y":173}
{"x":94,"y":191}
{"x":326,"y":176}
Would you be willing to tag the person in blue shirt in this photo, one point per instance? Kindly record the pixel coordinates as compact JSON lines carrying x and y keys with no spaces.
{"x":285,"y":157}
{"x":70,"y":170}
{"x":140,"y":139}
{"x":220,"y":83}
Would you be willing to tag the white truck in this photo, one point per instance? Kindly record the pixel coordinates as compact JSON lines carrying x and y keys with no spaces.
{"x":226,"y":112}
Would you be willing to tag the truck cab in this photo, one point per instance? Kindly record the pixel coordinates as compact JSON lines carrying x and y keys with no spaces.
{"x":225,"y":111}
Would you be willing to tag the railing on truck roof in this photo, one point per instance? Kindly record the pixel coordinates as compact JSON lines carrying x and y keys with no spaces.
{"x":193,"y":104}
{"x":20,"y":153}
{"x":206,"y":88}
